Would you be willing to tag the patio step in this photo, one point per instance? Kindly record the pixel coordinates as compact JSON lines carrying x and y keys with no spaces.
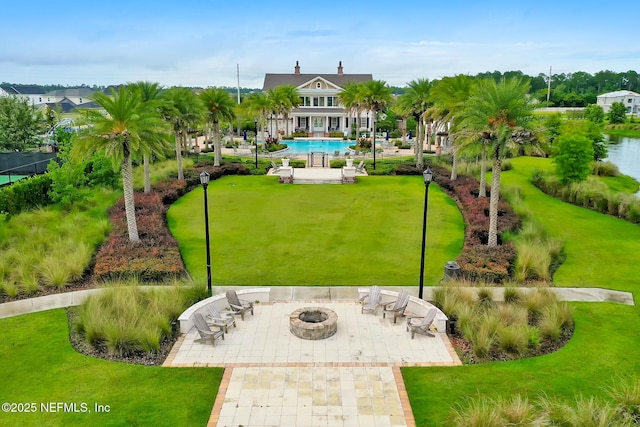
{"x":316,"y":181}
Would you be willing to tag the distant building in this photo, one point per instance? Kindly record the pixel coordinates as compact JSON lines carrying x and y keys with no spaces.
{"x":320,"y":110}
{"x":76,"y":96}
{"x":630,"y":99}
{"x":33,"y":94}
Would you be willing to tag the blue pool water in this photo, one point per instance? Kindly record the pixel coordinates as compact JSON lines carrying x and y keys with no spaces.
{"x":309,"y":146}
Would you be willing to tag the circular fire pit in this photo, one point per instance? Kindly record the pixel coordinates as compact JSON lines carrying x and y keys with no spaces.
{"x":313,"y":323}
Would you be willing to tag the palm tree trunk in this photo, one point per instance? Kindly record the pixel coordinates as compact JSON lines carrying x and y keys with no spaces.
{"x":493,"y":203}
{"x":179,"y":155}
{"x":216,"y":144}
{"x":454,"y":167}
{"x":129,"y":206}
{"x":482,"y":191}
{"x":147,"y":173}
{"x":404,"y":131}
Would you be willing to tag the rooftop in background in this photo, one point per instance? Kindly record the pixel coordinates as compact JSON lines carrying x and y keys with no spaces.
{"x":296,"y":78}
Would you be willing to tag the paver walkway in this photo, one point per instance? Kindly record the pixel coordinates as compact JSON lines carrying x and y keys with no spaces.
{"x":274,"y":378}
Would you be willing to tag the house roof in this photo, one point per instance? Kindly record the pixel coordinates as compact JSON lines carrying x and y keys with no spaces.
{"x":82,"y":92}
{"x":619,"y":93}
{"x":22,"y":89}
{"x":272,"y":80}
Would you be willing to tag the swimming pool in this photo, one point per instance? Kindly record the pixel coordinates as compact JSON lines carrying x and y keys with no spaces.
{"x":311,"y":146}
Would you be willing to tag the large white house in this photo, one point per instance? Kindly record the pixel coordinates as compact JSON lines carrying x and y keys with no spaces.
{"x":630,"y":99}
{"x":320,"y":110}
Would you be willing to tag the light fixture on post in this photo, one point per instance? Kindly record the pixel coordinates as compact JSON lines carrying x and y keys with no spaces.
{"x":428,"y":177}
{"x":255,"y":124}
{"x":204,"y":180}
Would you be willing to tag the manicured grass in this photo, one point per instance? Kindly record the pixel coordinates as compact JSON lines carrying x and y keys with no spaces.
{"x":39,"y":365}
{"x":265,"y":233}
{"x":601,"y":252}
{"x":621,"y":183}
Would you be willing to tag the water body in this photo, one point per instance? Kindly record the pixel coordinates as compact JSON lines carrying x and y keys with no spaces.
{"x":624,"y":152}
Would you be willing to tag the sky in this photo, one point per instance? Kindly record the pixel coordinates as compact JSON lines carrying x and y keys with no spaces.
{"x":204,"y":42}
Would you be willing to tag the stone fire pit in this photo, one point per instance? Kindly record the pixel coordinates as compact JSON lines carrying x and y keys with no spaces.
{"x":313,"y":323}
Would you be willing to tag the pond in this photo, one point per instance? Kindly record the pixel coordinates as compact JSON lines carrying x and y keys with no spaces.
{"x":624,"y":152}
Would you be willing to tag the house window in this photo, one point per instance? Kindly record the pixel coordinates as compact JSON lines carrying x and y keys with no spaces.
{"x":630,"y":101}
{"x":332,"y":101}
{"x":334,"y":123}
{"x":305,"y":101}
{"x":303,"y":122}
{"x":318,"y":101}
{"x":363,"y":122}
{"x":318,"y":85}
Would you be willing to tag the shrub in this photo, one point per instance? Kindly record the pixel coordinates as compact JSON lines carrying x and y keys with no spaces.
{"x":573,"y":158}
{"x":626,"y":394}
{"x":604,"y":169}
{"x":25,"y":194}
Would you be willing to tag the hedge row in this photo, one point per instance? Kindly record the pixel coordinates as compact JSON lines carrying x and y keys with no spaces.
{"x":25,"y":194}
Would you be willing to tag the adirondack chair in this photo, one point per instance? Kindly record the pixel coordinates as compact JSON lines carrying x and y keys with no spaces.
{"x":360,"y":167}
{"x":218,"y":319}
{"x":237,"y":305}
{"x":396,"y":307}
{"x":417,"y":326}
{"x":371,"y":301}
{"x":206,"y":333}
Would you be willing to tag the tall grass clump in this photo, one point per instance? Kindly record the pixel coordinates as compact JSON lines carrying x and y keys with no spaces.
{"x":126,"y":319}
{"x":538,"y":252}
{"x":52,"y":247}
{"x":544,"y":411}
{"x":479,"y":412}
{"x":511,"y":329}
{"x":626,"y":394}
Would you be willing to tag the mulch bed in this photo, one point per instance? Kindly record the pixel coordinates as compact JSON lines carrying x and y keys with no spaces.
{"x":464,"y":349}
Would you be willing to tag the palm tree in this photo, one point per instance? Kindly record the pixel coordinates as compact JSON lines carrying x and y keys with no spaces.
{"x":150,"y":96}
{"x":182,"y":109}
{"x":376,"y":96}
{"x":417,"y":96}
{"x":285,"y":98}
{"x":350,"y":99}
{"x":219,"y":106}
{"x":499,"y":114}
{"x":259,"y":105}
{"x":449,"y":96}
{"x":123,"y":132}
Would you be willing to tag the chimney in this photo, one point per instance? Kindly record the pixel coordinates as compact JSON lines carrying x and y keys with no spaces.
{"x":340,"y":68}
{"x":297,"y":69}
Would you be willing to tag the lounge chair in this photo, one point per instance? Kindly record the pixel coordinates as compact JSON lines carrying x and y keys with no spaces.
{"x":360,"y":167}
{"x":422,"y":326}
{"x":218,"y":319}
{"x":371,"y":301}
{"x":237,"y":305}
{"x":275,"y":167}
{"x":206,"y":333}
{"x":336,"y":153}
{"x":396,"y":307}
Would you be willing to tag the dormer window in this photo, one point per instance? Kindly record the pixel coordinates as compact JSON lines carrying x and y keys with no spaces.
{"x":318,"y":85}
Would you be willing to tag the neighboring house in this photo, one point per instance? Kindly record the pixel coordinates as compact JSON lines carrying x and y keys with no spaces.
{"x":34,"y":94}
{"x":77,"y":96}
{"x":320,"y":110}
{"x":630,"y":99}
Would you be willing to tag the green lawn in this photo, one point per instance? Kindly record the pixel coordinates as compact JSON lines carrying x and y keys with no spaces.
{"x":600,"y":253}
{"x":40,"y":366}
{"x":268,"y":234}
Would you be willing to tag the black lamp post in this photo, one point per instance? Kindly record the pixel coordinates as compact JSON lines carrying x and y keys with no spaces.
{"x":255,"y":123}
{"x":428,"y":176}
{"x":204,"y":180}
